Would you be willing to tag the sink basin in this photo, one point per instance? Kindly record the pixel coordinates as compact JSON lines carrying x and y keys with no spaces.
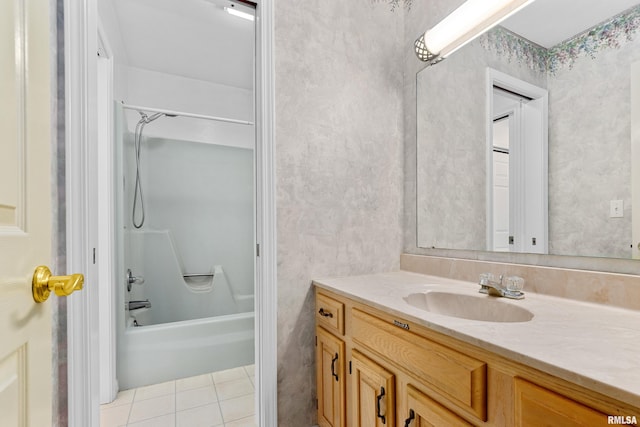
{"x":485,"y":308}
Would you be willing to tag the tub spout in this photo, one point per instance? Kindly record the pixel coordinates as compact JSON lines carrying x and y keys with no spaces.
{"x":135,"y":305}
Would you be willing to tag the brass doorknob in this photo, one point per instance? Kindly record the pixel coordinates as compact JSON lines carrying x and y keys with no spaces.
{"x":43,"y":283}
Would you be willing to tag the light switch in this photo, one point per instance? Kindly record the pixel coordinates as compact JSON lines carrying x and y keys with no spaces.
{"x":616,"y":209}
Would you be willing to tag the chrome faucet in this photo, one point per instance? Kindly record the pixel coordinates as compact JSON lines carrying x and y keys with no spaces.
{"x":492,"y":285}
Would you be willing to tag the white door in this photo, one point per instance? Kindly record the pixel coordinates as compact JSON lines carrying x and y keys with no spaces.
{"x":501,"y":187}
{"x":25,"y":211}
{"x":535,"y":203}
{"x":524,"y":188}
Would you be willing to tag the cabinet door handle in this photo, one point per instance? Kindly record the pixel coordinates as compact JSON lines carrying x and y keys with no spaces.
{"x":333,"y":366}
{"x":412,"y":416}
{"x":380,"y":396}
{"x":325,"y":313}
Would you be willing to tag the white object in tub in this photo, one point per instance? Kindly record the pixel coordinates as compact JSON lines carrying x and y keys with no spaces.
{"x":158,"y":353}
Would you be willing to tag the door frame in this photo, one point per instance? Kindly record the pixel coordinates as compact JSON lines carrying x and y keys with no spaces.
{"x":515,"y":85}
{"x":80,"y":35}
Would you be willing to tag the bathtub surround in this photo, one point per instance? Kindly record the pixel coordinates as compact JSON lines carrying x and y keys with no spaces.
{"x":202,"y":196}
{"x":199,"y":210}
{"x":339,"y":166}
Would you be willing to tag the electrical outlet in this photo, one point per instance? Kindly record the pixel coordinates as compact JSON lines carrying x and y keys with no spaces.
{"x":616,"y":209}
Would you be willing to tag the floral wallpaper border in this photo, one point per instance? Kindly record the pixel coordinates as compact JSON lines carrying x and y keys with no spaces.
{"x":611,"y":34}
{"x":515,"y":48}
{"x":395,"y":4}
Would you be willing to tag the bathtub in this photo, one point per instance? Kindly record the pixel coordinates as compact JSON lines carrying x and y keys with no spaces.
{"x":157,"y":353}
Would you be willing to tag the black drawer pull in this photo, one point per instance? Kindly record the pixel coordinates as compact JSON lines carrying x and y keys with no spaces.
{"x":325,"y":313}
{"x":333,"y":366}
{"x":380,"y":396}
{"x":412,"y":416}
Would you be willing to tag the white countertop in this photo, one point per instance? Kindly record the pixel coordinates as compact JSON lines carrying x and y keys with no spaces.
{"x":595,"y":346}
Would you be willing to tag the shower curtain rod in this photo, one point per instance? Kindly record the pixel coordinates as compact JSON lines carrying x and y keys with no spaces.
{"x":182,"y":114}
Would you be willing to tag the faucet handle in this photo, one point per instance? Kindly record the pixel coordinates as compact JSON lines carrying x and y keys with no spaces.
{"x":486,"y":278}
{"x":489,"y":278}
{"x":515,"y":284}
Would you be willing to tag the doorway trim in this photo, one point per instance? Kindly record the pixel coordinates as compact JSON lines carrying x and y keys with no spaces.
{"x":266,"y":290}
{"x":80,"y":74}
{"x":539,"y":153}
{"x":81,"y":30}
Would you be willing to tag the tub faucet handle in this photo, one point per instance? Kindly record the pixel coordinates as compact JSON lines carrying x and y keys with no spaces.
{"x":131,"y":279}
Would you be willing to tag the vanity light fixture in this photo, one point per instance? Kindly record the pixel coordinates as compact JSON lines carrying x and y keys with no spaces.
{"x":464,"y":24}
{"x":239,"y":13}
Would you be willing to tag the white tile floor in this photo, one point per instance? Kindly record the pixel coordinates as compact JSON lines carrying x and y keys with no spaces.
{"x":224,"y":398}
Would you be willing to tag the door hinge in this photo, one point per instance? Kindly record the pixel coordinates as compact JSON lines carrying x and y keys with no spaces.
{"x":257,"y":249}
{"x":316,"y":403}
{"x":316,"y":340}
{"x":94,"y":256}
{"x":349,"y":367}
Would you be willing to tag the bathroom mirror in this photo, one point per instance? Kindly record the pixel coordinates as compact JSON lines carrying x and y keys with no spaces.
{"x":585,"y":63}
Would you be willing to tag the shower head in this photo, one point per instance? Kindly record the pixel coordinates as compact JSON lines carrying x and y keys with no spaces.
{"x":144,"y":118}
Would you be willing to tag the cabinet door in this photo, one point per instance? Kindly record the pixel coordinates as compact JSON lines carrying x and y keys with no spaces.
{"x":536,"y":406}
{"x":373,"y":397}
{"x":330,"y":379}
{"x":425,"y":412}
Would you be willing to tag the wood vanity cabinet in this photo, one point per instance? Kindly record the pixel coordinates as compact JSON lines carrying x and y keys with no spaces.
{"x":373,"y":393}
{"x":330,"y":379}
{"x":425,"y":412}
{"x":330,"y":362}
{"x":537,"y":406}
{"x":377,"y":370}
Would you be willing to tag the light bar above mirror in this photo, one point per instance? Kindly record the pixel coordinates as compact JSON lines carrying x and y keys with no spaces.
{"x":464,"y":24}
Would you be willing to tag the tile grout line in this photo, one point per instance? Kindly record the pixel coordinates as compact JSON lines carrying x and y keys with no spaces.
{"x":217,"y":399}
{"x":175,"y":394}
{"x":133,"y":399}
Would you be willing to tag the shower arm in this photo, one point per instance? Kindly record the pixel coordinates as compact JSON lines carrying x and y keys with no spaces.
{"x":184,"y":114}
